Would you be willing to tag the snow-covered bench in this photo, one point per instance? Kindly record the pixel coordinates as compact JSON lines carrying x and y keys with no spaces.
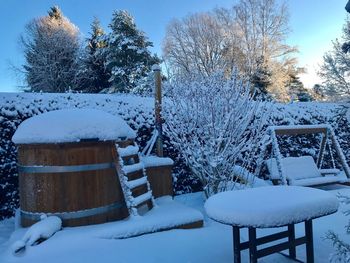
{"x":302,"y":171}
{"x":269,"y":207}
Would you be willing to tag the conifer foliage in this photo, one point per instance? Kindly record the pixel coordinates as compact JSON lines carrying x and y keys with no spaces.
{"x":93,"y":76}
{"x":127,"y":55}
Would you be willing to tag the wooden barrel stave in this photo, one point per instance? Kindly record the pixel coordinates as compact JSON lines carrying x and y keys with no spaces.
{"x":70,"y":191}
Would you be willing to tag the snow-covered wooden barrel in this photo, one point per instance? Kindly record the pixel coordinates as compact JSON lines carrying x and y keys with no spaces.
{"x":66,"y":169}
{"x":159,"y":173}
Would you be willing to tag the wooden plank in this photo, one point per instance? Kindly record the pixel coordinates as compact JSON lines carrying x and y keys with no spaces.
{"x":279,"y":247}
{"x":322,"y":149}
{"x":161,"y":180}
{"x":192,"y":225}
{"x":300,"y":131}
{"x":135,"y":175}
{"x":266,"y":239}
{"x":131,"y":159}
{"x":340,"y":154}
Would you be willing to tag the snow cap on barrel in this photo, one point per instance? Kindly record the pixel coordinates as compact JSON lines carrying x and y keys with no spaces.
{"x":72,"y":125}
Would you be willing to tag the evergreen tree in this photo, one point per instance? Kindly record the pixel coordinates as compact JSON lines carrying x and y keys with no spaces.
{"x":261,"y":79}
{"x":128,"y":57}
{"x":51,"y":45}
{"x":318,"y":94}
{"x":297,"y":90}
{"x":93,"y":76}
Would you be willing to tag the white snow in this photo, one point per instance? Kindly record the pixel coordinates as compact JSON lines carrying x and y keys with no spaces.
{"x":328,"y":179}
{"x":212,"y":243}
{"x":270,"y":206}
{"x":294,"y":168}
{"x":132,"y":167}
{"x":72,"y":125}
{"x":137,"y":182}
{"x":129,"y":150}
{"x":142,"y":198}
{"x":155,"y":161}
{"x":43,"y":229}
{"x":297,"y":127}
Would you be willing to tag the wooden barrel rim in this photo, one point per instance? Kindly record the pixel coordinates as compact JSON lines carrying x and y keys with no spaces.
{"x":73,"y":214}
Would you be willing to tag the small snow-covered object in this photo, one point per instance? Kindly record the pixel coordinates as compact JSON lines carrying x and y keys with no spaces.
{"x":38,"y":232}
{"x":18,"y":247}
{"x":270,"y":206}
{"x":155,"y":161}
{"x":72,"y":125}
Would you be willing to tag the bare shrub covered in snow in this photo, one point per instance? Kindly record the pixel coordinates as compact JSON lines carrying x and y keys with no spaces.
{"x":215,"y":125}
{"x":342,"y":248}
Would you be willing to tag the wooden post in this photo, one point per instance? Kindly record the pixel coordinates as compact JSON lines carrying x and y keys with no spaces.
{"x":322,"y":149}
{"x":236,"y":244}
{"x":291,"y":240}
{"x":158,"y":108}
{"x":309,"y":242}
{"x":252,"y":245}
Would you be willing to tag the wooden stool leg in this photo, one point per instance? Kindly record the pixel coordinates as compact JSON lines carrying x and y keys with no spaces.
{"x":236,"y":245}
{"x":291,"y":240}
{"x":252,"y":245}
{"x":309,"y":242}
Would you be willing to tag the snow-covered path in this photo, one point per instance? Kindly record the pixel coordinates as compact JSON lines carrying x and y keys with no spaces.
{"x":212,"y":243}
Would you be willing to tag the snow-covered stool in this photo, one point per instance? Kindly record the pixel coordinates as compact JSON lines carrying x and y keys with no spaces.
{"x":270,"y":207}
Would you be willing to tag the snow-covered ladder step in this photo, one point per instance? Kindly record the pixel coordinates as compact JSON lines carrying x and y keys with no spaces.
{"x":125,"y":157}
{"x":137,"y":182}
{"x":132,"y":168}
{"x":128,"y":151}
{"x":142,"y":198}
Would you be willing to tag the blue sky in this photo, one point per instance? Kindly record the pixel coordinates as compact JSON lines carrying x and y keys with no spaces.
{"x":314,"y":24}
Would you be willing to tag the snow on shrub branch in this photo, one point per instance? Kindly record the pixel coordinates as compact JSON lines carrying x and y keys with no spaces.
{"x":214,"y":122}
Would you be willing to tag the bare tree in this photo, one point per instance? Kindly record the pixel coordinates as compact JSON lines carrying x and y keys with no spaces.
{"x":51,"y":46}
{"x":335,"y":70}
{"x":249,"y":36}
{"x":195,"y":44}
{"x":264,"y":27}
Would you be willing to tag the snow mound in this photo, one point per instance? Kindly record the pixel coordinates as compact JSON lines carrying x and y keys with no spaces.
{"x":166,"y":215}
{"x":41,"y":230}
{"x":270,"y":206}
{"x":72,"y":125}
{"x":155,"y":161}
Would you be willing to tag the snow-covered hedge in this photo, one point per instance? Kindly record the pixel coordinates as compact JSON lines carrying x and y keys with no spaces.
{"x":138,"y":113}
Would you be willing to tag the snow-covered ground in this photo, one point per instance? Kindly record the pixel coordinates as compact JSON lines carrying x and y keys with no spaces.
{"x":212,"y":243}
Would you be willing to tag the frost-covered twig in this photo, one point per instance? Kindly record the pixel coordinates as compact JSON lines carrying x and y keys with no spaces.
{"x":342,"y":248}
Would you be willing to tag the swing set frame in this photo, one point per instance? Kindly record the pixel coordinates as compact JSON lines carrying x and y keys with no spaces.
{"x":327,"y":133}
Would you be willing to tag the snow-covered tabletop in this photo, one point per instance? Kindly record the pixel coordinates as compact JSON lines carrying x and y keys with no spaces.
{"x":270,"y":206}
{"x":72,"y":125}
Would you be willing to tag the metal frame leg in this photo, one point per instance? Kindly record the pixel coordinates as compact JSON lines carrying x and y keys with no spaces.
{"x":236,"y":244}
{"x":309,"y":242}
{"x":291,"y":240}
{"x":252,"y":245}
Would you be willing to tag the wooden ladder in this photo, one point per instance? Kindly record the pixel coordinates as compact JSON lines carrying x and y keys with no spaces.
{"x":133,"y":179}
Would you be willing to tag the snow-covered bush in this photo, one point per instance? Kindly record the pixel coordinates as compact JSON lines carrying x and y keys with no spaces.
{"x":213,"y":122}
{"x":342,"y":247}
{"x":138,"y":113}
